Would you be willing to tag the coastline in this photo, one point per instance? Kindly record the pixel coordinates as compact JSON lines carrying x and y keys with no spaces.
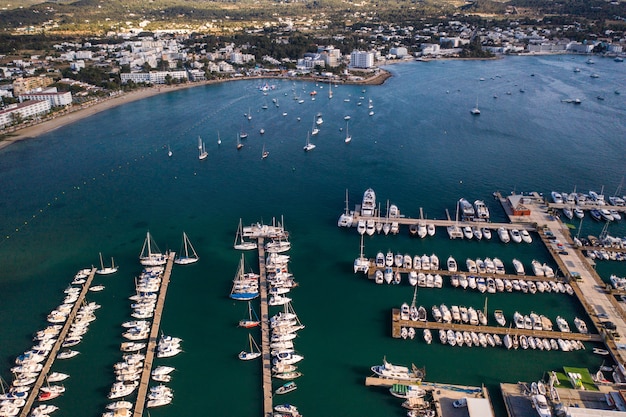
{"x":76,"y":113}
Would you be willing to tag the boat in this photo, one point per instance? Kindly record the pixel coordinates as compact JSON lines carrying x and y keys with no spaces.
{"x":482,"y":212}
{"x":486,"y":233}
{"x":581,"y":326}
{"x":187,"y":254}
{"x":66,"y":354}
{"x":150,"y":254}
{"x":519,"y":267}
{"x":541,"y":405}
{"x":403,"y":373}
{"x":309,"y":146}
{"x":451,"y":264}
{"x":368,"y":205}
{"x":526,"y":238}
{"x":599,"y":351}
{"x":499,"y":316}
{"x":108,"y":270}
{"x":57,"y":377}
{"x":516,"y":236}
{"x":503,"y":234}
{"x":537,"y":268}
{"x":239,"y":144}
{"x":253,"y":353}
{"x":245,"y":285}
{"x":428,"y":336}
{"x":252,"y":320}
{"x":467,"y":210}
{"x":264,"y":153}
{"x":361,"y":264}
{"x":475,"y":110}
{"x":406,"y":391}
{"x":286,"y":388}
{"x":562,"y":324}
{"x":287,"y":409}
{"x":240,"y":243}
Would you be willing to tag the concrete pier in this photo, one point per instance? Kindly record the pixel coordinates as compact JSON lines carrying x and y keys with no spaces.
{"x":268,"y":406}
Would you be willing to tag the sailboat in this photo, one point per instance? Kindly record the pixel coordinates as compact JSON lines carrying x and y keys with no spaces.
{"x":315,"y":130}
{"x":108,"y":270}
{"x":249,"y":114}
{"x":309,"y":146}
{"x":150,"y":254}
{"x":169,"y":151}
{"x":252,"y":320}
{"x":346,"y":218}
{"x":245,"y":284}
{"x":361,"y":264}
{"x":240,"y":243}
{"x":330,"y":89}
{"x":475,"y":111}
{"x":239,"y":144}
{"x":219,"y":141}
{"x":252,"y":354}
{"x":187,"y":254}
{"x":203,"y":153}
{"x":243,"y":134}
{"x":265,"y":153}
{"x":348,"y":137}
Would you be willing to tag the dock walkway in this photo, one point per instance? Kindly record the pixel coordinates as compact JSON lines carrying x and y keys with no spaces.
{"x":153,"y":340}
{"x":265,"y":334}
{"x":34,"y":392}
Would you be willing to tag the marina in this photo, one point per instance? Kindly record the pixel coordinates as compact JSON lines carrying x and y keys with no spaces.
{"x":105,"y":197}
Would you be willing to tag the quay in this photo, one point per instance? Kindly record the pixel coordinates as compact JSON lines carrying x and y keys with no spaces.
{"x":268,"y":406}
{"x":142,"y":392}
{"x":34,"y":392}
{"x":397,"y":324}
{"x":443,"y":395}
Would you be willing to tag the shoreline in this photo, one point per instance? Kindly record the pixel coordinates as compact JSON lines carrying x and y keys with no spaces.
{"x":76,"y":113}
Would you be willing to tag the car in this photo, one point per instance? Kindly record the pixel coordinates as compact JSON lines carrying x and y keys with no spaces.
{"x":563,"y":252}
{"x":460,"y":403}
{"x":609,"y":325}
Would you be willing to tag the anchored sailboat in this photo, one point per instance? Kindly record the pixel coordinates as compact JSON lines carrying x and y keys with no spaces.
{"x":240,"y":243}
{"x":203,"y":153}
{"x":187,"y":254}
{"x":265,"y":153}
{"x":254,"y":352}
{"x":108,"y":270}
{"x":348,"y":137}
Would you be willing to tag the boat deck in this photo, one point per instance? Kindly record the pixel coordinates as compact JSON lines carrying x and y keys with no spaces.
{"x":140,"y":403}
{"x":397,"y":324}
{"x":265,"y":334}
{"x":34,"y":392}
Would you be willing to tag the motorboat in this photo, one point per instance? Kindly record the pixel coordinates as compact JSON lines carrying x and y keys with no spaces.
{"x":471,"y":266}
{"x":500,"y":318}
{"x":467,"y":232}
{"x":368,"y":205}
{"x":516,"y":236}
{"x":503,"y":234}
{"x":581,"y":326}
{"x":525,"y":235}
{"x":519,"y":267}
{"x":466,"y":209}
{"x":562,"y":324}
{"x":537,"y":268}
{"x":486,"y":233}
{"x":541,"y":405}
{"x":481,"y":210}
{"x":286,"y":388}
{"x":451,"y":264}
{"x":388,"y":370}
{"x":499,"y":266}
{"x":578,"y":212}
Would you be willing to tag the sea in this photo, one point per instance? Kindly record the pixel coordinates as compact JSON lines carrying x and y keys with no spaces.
{"x":100,"y":184}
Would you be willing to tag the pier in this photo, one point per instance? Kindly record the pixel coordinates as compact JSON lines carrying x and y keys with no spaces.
{"x":34,"y":392}
{"x":268,"y":406}
{"x":397,"y":324}
{"x":142,"y":392}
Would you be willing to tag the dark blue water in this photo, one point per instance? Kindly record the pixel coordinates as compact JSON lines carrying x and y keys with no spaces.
{"x":98,"y":185}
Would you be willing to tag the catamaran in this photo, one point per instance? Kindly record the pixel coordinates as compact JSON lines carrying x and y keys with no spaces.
{"x":202,"y":150}
{"x":150,"y":254}
{"x":187,"y":254}
{"x":309,"y":146}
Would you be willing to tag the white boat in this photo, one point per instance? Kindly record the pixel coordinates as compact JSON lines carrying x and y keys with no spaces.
{"x":150,"y":254}
{"x":471,"y":266}
{"x":187,"y":254}
{"x":486,"y":233}
{"x":541,"y":405}
{"x":562,"y":324}
{"x":428,"y":337}
{"x":346,"y":218}
{"x":240,"y":242}
{"x":106,"y":270}
{"x":537,"y":268}
{"x":314,"y":129}
{"x":253,"y":353}
{"x":286,"y":388}
{"x":516,"y":236}
{"x":387,"y":370}
{"x":503,"y":234}
{"x":202,"y":153}
{"x":361,"y":264}
{"x":368,"y":205}
{"x":578,"y":212}
{"x":475,"y":110}
{"x":430,"y":229}
{"x":519,"y":267}
{"x":581,"y":326}
{"x":451,"y":264}
{"x":245,"y":285}
{"x":467,"y":232}
{"x":525,"y":235}
{"x":499,"y":316}
{"x":348,"y":137}
{"x":252,"y":320}
{"x":308,"y":146}
{"x":482,"y":212}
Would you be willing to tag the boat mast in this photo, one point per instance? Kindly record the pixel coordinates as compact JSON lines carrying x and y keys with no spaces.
{"x":347,"y":208}
{"x":101,"y":263}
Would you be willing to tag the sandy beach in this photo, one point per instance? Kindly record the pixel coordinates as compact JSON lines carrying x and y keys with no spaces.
{"x":78,"y":112}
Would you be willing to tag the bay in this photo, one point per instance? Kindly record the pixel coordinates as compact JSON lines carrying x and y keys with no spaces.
{"x":99,"y":184}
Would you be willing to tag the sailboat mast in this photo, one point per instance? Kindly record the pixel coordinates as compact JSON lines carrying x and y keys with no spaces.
{"x":101,"y":263}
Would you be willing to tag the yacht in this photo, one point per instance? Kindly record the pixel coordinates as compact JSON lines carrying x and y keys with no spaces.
{"x":499,"y":266}
{"x":562,"y":324}
{"x":499,"y":316}
{"x":503,"y":234}
{"x":368,"y":205}
{"x":471,"y":266}
{"x":516,"y":236}
{"x":519,"y":267}
{"x":387,"y":370}
{"x":482,"y":212}
{"x":486,"y":233}
{"x":526,"y":236}
{"x":466,"y":209}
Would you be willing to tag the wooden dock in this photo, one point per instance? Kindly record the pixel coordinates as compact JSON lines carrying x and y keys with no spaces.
{"x":142,"y":392}
{"x":397,"y":324}
{"x":268,"y":405}
{"x":34,"y":392}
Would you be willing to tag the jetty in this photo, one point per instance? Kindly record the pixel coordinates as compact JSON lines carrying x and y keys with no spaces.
{"x":397,"y":324}
{"x":265,"y":333}
{"x":34,"y":392}
{"x":142,"y":392}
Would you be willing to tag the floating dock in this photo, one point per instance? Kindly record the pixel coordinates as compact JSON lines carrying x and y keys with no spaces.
{"x":142,"y":392}
{"x":34,"y":392}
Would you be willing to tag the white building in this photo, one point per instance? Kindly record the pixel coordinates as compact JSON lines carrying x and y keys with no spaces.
{"x":430,"y":49}
{"x":24,"y":110}
{"x":153,"y":77}
{"x":400,"y":52}
{"x":361,"y":59}
{"x":55,"y":98}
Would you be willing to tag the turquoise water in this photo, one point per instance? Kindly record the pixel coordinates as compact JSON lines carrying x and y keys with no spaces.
{"x":98,"y":185}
